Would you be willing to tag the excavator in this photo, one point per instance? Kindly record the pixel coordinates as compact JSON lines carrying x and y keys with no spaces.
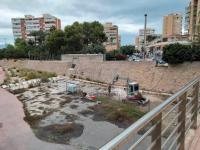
{"x":132,"y":90}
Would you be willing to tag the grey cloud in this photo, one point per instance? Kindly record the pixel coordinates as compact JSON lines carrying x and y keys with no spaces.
{"x":117,"y":11}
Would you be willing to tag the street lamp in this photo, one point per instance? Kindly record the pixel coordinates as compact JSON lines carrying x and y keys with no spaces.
{"x":145,"y":36}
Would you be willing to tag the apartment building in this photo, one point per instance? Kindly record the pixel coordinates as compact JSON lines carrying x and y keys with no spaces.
{"x":172,"y":25}
{"x":194,"y":19}
{"x":22,"y":27}
{"x":139,"y":40}
{"x":114,"y":39}
{"x":187,"y":19}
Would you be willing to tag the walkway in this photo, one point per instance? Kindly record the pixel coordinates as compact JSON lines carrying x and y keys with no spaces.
{"x":2,"y":76}
{"x":15,"y":133}
{"x":195,"y":144}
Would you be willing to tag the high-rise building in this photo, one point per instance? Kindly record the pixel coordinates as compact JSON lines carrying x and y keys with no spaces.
{"x":139,"y":40}
{"x":187,"y":19}
{"x":114,"y":40}
{"x":23,"y":27}
{"x":194,"y":19}
{"x":172,"y":25}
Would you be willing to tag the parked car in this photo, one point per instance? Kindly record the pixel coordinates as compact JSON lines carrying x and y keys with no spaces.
{"x":134,"y":58}
{"x":161,"y":63}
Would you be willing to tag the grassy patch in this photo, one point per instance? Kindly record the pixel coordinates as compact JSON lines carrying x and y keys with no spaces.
{"x":29,"y":74}
{"x":116,"y":112}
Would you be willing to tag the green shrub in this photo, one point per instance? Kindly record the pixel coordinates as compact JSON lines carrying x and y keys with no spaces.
{"x":32,"y":74}
{"x":177,"y":53}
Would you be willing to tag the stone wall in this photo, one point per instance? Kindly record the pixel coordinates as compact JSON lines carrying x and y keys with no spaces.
{"x":76,"y":58}
{"x":50,"y":66}
{"x":145,"y":73}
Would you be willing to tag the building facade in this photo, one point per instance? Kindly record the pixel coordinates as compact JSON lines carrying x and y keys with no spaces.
{"x":139,"y":40}
{"x":172,"y":25}
{"x":114,"y":39}
{"x":194,"y":19}
{"x":23,"y":27}
{"x":187,"y":19}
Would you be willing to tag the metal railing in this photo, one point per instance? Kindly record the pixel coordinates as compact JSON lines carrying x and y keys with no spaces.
{"x":166,"y":126}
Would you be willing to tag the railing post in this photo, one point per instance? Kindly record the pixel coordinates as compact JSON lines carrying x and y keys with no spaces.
{"x":181,"y":121}
{"x":195,"y":104}
{"x":156,"y":133}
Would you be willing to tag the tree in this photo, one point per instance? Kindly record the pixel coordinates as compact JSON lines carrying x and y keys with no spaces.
{"x":111,"y":55}
{"x":53,"y":28}
{"x":74,"y":38}
{"x":55,"y":42}
{"x":177,"y":53}
{"x":196,"y":53}
{"x":94,"y":49}
{"x":21,"y":49}
{"x":39,"y":37}
{"x":151,"y":38}
{"x":10,"y":46}
{"x":93,"y":33}
{"x":80,"y":36}
{"x":127,"y":50}
{"x":20,"y":44}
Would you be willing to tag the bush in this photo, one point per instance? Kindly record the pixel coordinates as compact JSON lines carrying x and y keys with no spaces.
{"x":94,"y":49}
{"x":196,"y":53}
{"x":31,"y":74}
{"x":120,"y":57}
{"x":177,"y":53}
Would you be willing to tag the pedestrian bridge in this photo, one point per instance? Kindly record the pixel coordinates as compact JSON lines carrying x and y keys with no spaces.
{"x":167,"y":127}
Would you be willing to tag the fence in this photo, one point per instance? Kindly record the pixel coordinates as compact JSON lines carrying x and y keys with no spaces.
{"x":166,"y":126}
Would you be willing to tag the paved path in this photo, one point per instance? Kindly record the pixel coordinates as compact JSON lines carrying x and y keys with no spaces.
{"x":195,"y":145}
{"x":15,"y":133}
{"x":2,"y":75}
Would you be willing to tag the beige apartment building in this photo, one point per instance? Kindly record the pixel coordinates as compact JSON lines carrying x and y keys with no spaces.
{"x":139,"y":40}
{"x":22,"y":27}
{"x":193,"y":12}
{"x":172,"y":26}
{"x":114,"y":39}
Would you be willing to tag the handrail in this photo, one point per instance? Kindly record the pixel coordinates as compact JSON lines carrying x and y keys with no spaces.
{"x":142,"y":122}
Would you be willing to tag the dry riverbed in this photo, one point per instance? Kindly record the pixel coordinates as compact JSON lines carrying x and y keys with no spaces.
{"x":59,"y":118}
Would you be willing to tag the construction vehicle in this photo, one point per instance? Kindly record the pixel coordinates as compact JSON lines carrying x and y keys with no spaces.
{"x":132,"y":90}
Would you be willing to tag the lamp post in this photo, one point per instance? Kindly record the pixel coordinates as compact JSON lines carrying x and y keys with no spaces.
{"x":145,"y":34}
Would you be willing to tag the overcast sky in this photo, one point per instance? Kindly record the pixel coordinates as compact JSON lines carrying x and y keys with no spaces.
{"x":127,"y":14}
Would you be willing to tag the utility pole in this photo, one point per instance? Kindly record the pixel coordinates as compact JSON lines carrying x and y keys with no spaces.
{"x":145,"y":34}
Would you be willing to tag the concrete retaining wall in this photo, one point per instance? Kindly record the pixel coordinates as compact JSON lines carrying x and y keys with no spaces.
{"x":82,"y":58}
{"x":50,"y":66}
{"x":145,"y":73}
